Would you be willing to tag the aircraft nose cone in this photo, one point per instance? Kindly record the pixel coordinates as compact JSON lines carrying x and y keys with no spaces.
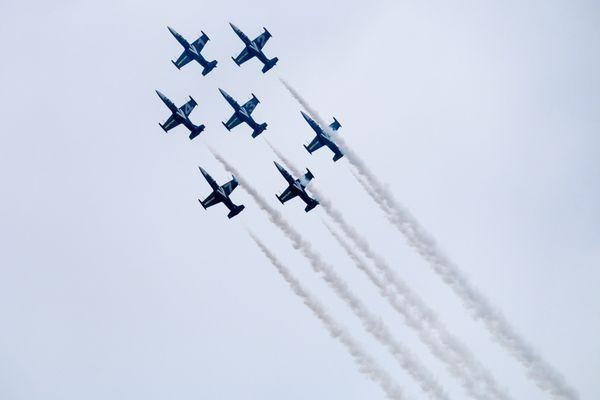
{"x":162,"y":96}
{"x":224,"y":93}
{"x":233,"y":27}
{"x":171,"y":30}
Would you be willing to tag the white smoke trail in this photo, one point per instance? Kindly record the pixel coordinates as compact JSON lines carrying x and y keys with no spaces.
{"x":370,"y":322}
{"x":460,"y":362}
{"x":367,"y":365}
{"x":538,"y":370}
{"x":476,"y":382}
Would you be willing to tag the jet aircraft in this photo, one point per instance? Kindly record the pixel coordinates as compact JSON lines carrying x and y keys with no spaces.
{"x":297,"y":187}
{"x":220,"y":194}
{"x":180,"y":116}
{"x":323,"y":138}
{"x":254,"y":49}
{"x":192,"y":52}
{"x":243,"y":114}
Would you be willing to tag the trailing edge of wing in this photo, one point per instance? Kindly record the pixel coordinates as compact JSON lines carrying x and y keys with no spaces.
{"x":244,"y":56}
{"x":210,"y":201}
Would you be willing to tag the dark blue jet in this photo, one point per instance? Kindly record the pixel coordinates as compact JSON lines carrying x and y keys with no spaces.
{"x":220,"y":194}
{"x":243,"y":114}
{"x":323,"y":138}
{"x":180,"y":116}
{"x":192,"y":52}
{"x":297,"y":187}
{"x":254,"y":49}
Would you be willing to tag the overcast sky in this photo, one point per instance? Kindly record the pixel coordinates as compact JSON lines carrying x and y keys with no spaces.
{"x":114,"y":283}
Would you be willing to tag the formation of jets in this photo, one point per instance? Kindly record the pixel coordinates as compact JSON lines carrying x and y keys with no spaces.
{"x":243,"y":114}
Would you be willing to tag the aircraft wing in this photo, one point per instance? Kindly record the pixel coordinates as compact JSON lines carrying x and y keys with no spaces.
{"x":251,"y":104}
{"x":170,"y":123}
{"x":211,"y":200}
{"x":306,"y":178}
{"x":230,"y":186}
{"x":314,"y":145}
{"x":261,"y":40}
{"x":232,"y":122}
{"x":200,"y":42}
{"x":243,"y":57}
{"x":287,"y":194}
{"x":183,"y":59}
{"x":335,"y":125}
{"x":188,"y":107}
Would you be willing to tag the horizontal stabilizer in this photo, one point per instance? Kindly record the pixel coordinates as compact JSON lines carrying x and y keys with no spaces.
{"x":337,"y":156}
{"x":196,"y":131}
{"x":209,"y":67}
{"x":235,"y":211}
{"x":260,"y":129}
{"x":311,"y":205}
{"x":270,"y":64}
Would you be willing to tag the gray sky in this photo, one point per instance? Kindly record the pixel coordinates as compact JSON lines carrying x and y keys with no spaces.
{"x":482,"y":117}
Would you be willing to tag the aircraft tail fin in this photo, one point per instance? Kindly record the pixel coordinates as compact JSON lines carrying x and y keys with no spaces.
{"x":259,"y":129}
{"x":313,"y":203}
{"x":163,"y":127}
{"x":307,"y":149}
{"x":196,"y":131}
{"x":209,"y":67}
{"x":279,"y":198}
{"x":175,"y":64}
{"x":235,"y":211}
{"x":270,"y":64}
